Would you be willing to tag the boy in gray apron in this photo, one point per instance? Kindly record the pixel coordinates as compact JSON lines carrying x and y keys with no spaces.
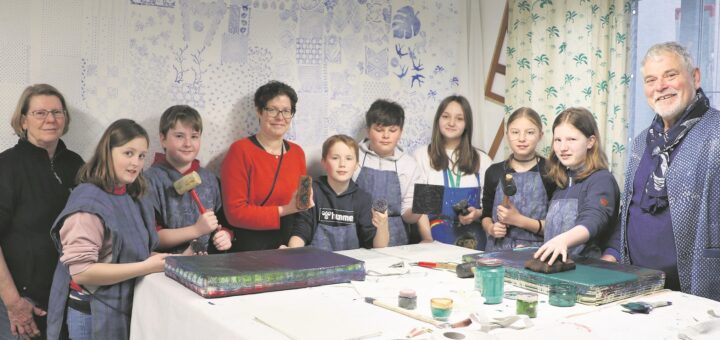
{"x":342,"y":217}
{"x":178,"y":216}
{"x":387,"y":172}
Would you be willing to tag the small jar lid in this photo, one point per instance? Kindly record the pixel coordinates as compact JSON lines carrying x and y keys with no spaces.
{"x":527,"y":297}
{"x":489,"y":262}
{"x":407,"y":293}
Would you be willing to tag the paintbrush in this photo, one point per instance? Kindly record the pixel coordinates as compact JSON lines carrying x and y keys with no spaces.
{"x":406,"y":312}
{"x":643,"y":307}
{"x":436,"y":265}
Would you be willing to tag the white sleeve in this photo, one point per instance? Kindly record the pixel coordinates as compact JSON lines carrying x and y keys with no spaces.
{"x":408,"y":175}
{"x":423,"y":163}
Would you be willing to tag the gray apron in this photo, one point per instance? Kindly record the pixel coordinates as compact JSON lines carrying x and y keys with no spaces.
{"x":531,"y":201}
{"x":562,"y":216}
{"x":133,"y":237}
{"x":385,"y":184}
{"x":334,"y":238}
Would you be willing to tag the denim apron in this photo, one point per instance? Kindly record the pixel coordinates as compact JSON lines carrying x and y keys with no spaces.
{"x":334,"y":238}
{"x":133,"y":237}
{"x":446,"y":228}
{"x":561,"y":217}
{"x":386,"y":185}
{"x":178,"y":211}
{"x":531,"y":201}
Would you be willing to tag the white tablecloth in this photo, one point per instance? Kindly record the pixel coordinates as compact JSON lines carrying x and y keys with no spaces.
{"x":164,"y":309}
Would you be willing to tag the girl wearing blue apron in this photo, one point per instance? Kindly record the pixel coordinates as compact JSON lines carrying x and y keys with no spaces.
{"x":105,"y":236}
{"x":450,"y":160}
{"x":517,"y":221}
{"x":584,"y":209}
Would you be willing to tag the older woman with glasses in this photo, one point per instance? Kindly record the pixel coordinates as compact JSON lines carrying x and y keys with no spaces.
{"x":260,"y":174}
{"x":36,"y":176}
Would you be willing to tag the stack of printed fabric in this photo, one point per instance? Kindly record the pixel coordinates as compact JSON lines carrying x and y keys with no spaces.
{"x":262,"y":271}
{"x":598,"y":282}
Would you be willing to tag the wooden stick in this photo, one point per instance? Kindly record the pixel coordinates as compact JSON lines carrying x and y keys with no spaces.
{"x":405,"y":312}
{"x":506,"y":201}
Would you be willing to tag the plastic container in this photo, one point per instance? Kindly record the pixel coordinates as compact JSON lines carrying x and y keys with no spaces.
{"x":490,"y":279}
{"x":407,"y":299}
{"x":563,"y":295}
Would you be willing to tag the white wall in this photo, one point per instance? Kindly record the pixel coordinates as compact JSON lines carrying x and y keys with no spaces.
{"x":120,"y":59}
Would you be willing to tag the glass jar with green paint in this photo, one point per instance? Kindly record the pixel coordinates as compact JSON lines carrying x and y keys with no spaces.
{"x":489,"y":279}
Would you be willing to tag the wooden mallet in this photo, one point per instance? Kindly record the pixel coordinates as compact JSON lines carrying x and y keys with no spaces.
{"x":188,"y":183}
{"x":509,"y":189}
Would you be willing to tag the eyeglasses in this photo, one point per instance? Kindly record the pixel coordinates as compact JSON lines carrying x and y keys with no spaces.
{"x":273,"y":112}
{"x":43,"y":114}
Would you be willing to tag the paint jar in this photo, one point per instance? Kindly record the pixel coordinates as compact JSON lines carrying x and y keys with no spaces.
{"x":407,"y":299}
{"x":441,"y":308}
{"x":526,"y":304}
{"x":563,"y":295}
{"x":489,"y":280}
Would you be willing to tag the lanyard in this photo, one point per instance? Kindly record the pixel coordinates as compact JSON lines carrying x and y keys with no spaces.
{"x":453,"y":181}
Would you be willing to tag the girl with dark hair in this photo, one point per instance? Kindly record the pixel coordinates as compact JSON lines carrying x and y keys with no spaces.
{"x":517,"y":221}
{"x":584,"y":209}
{"x":105,"y":237}
{"x":451,"y":160}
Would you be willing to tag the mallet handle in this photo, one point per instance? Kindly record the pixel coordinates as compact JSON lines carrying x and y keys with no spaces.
{"x":197,"y":200}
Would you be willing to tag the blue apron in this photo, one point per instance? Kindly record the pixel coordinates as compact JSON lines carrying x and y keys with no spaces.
{"x":386,"y":185}
{"x":561,"y":217}
{"x":334,"y":238}
{"x":531,"y":201}
{"x":133,"y":238}
{"x":178,"y":211}
{"x":446,"y":228}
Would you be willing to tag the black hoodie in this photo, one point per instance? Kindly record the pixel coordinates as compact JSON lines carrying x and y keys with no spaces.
{"x":352,"y":206}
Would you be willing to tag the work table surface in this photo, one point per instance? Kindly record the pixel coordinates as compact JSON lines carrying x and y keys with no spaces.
{"x":164,"y":309}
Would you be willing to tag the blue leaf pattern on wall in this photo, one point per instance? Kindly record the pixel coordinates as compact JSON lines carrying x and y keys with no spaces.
{"x":405,"y":23}
{"x":137,"y":57}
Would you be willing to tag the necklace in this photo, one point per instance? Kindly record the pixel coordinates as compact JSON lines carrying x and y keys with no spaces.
{"x":271,"y":151}
{"x":523,"y":160}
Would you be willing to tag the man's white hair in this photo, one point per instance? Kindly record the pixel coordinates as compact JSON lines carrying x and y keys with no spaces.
{"x":670,"y":47}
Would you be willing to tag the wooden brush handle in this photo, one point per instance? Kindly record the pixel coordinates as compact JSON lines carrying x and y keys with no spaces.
{"x":408,"y":313}
{"x":506,"y":201}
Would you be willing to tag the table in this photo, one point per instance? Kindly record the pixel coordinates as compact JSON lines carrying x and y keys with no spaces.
{"x":164,"y":309}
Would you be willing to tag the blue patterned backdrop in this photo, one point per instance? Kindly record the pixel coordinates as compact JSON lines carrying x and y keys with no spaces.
{"x":134,"y":58}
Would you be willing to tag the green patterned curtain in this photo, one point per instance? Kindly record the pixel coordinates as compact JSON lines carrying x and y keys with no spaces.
{"x":572,"y":53}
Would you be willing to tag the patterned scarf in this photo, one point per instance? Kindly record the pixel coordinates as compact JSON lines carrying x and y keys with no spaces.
{"x":661,"y":144}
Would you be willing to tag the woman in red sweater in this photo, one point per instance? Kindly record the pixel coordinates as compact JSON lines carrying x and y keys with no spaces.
{"x":260,"y":174}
